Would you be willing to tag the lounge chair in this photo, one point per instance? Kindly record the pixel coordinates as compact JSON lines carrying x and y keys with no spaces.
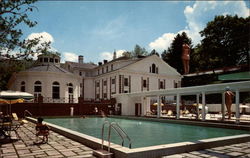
{"x":170,"y":113}
{"x":15,"y":118}
{"x":8,"y":125}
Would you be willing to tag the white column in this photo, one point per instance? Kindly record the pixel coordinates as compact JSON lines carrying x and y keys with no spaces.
{"x":237,"y":106}
{"x":158,"y":107}
{"x":197,"y":102}
{"x":203,"y":106}
{"x":178,"y":106}
{"x":223,"y":106}
{"x":142,"y":106}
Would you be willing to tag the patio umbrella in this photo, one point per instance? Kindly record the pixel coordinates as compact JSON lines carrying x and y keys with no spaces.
{"x":12,"y":97}
{"x":155,"y":104}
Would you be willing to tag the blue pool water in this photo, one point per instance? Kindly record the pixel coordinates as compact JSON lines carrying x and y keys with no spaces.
{"x":144,"y":133}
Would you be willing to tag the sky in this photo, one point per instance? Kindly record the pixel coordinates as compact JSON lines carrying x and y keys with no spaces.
{"x":95,"y":29}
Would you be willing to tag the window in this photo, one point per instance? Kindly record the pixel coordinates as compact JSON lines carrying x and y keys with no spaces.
{"x":105,"y":95}
{"x":125,"y":81}
{"x":156,"y":70}
{"x":56,"y":90}
{"x":144,"y":83}
{"x":113,"y":81}
{"x":161,"y":85}
{"x":97,"y":84}
{"x":98,"y":72}
{"x":37,"y":89}
{"x":80,"y":73}
{"x":41,"y":60}
{"x":105,"y":83}
{"x":38,"y":86}
{"x":102,"y":70}
{"x":46,"y":60}
{"x":51,"y":60}
{"x":56,"y":60}
{"x":125,"y":91}
{"x":153,"y":68}
{"x":111,"y":67}
{"x":150,"y":69}
{"x":107,"y":68}
{"x":70,"y":90}
{"x":22,"y":86}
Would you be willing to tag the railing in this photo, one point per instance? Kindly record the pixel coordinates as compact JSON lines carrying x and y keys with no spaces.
{"x":26,"y":112}
{"x":59,"y":100}
{"x":118,"y":130}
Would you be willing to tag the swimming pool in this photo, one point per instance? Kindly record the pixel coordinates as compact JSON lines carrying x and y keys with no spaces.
{"x":144,"y":133}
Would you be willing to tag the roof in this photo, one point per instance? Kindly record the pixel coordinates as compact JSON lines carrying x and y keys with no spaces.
{"x":47,"y":68}
{"x":81,"y":65}
{"x":235,"y":76}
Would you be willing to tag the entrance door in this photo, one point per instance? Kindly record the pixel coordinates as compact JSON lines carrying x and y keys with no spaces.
{"x":137,"y":109}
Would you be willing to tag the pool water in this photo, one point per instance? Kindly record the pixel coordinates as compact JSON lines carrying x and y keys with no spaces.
{"x":144,"y":133}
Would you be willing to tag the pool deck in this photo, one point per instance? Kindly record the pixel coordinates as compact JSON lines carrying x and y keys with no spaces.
{"x":60,"y":146}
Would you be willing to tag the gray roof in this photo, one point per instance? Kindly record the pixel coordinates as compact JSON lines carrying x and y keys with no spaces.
{"x":81,"y":65}
{"x":48,"y":68}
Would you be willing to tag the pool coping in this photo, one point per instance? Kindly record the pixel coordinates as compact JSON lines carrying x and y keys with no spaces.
{"x":151,"y":151}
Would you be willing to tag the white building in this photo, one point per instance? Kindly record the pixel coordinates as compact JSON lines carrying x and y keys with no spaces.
{"x":95,"y":82}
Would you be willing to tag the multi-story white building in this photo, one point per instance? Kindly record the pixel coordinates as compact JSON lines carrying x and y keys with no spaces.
{"x":66,"y":82}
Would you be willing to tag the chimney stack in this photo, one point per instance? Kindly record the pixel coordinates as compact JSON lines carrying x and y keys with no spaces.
{"x":99,"y":63}
{"x":105,"y":61}
{"x":114,"y":55}
{"x":80,"y":59}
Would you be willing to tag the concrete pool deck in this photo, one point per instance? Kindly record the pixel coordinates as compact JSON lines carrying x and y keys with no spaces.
{"x":60,"y":146}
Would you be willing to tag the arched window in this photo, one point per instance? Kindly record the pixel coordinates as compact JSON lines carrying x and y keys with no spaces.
{"x":22,"y":86}
{"x":153,"y":68}
{"x":37,"y":89}
{"x":55,"y":90}
{"x":71,"y":92}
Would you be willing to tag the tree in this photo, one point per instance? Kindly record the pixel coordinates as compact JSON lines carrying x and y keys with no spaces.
{"x":173,"y":55}
{"x":154,"y":52}
{"x":226,"y":41}
{"x":139,"y":51}
{"x":12,"y":14}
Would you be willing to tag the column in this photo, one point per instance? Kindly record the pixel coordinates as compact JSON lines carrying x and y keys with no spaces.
{"x":197,"y":104}
{"x":237,"y":106}
{"x":223,"y":106}
{"x":142,"y":106}
{"x":158,"y":107}
{"x":178,"y":106}
{"x":203,"y":106}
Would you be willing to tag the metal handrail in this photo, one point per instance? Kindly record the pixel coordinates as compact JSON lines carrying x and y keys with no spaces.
{"x":27,"y":111}
{"x":103,"y":125}
{"x":118,"y":130}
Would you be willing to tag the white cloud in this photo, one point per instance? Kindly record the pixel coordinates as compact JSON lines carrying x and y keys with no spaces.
{"x":162,"y":42}
{"x":109,"y":55}
{"x":45,"y":37}
{"x":197,"y":17}
{"x":69,"y":56}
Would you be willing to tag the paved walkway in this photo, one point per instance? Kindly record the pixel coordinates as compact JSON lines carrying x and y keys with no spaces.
{"x":241,"y":150}
{"x":57,"y":147}
{"x":60,"y":146}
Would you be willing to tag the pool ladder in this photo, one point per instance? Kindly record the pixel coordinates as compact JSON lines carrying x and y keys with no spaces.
{"x":118,"y":130}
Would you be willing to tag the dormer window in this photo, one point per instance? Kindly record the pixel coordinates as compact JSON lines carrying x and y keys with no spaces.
{"x":51,"y":60}
{"x":56,"y":60}
{"x":153,"y":69}
{"x":41,"y":60}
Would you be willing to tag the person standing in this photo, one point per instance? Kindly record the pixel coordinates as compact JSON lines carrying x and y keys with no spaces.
{"x":228,"y":100}
{"x":185,"y":57}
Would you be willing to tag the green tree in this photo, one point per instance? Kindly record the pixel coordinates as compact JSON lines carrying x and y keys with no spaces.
{"x":139,"y":51}
{"x":154,"y":52}
{"x":173,"y":55}
{"x":14,"y":13}
{"x":226,"y":42}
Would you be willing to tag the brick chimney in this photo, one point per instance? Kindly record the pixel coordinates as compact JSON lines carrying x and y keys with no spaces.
{"x":80,"y":59}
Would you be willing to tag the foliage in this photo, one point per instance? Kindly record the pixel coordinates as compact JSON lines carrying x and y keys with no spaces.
{"x":154,"y":52}
{"x":139,"y":51}
{"x":225,"y":43}
{"x":173,"y":55}
{"x":14,"y":13}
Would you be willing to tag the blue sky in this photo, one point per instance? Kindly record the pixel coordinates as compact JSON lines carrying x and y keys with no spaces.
{"x":94,"y":29}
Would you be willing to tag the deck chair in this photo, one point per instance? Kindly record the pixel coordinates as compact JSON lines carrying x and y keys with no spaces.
{"x":42,"y":131}
{"x":15,"y":118}
{"x":170,"y":113}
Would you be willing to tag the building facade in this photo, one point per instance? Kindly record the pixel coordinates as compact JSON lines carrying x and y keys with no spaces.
{"x":95,"y":82}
